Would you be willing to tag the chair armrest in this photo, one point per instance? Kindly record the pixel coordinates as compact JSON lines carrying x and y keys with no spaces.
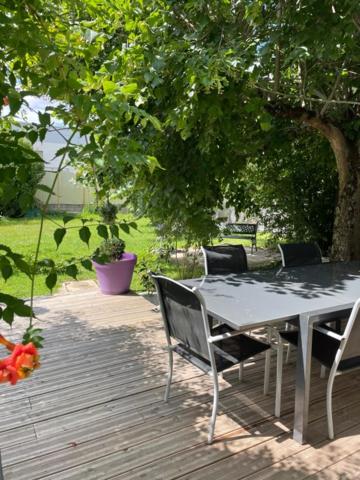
{"x":328,"y":333}
{"x":224,"y":336}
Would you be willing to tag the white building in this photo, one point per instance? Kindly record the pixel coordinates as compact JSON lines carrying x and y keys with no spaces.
{"x":68,"y":194}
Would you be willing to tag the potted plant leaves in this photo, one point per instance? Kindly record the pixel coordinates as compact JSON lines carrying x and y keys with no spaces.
{"x":114,"y":267}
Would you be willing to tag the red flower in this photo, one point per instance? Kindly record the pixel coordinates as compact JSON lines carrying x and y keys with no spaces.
{"x":20,"y":363}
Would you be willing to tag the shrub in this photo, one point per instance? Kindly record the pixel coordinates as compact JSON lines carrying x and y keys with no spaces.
{"x":110,"y":250}
{"x":19,"y":194}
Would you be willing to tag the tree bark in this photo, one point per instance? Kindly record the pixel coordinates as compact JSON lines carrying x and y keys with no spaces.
{"x":346,"y":229}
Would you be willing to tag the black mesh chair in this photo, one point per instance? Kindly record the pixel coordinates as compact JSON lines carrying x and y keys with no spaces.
{"x":338,"y":352}
{"x":224,"y":259}
{"x":211,"y":350}
{"x":299,"y":254}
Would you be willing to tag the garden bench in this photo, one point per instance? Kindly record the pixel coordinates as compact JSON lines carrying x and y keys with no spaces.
{"x":246,"y":231}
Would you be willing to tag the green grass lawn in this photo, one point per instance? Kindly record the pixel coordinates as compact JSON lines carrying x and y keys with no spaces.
{"x":21,"y":235}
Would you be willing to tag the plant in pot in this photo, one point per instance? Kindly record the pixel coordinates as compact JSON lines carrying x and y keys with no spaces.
{"x":114,"y":267}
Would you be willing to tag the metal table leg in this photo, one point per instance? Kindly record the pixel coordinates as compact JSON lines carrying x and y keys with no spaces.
{"x":303,"y":375}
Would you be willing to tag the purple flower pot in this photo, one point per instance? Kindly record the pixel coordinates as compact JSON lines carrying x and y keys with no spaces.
{"x":115,"y":277}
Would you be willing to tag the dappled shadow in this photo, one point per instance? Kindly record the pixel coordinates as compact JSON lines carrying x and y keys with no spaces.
{"x":307,"y":282}
{"x":97,"y":404}
{"x":256,"y":298}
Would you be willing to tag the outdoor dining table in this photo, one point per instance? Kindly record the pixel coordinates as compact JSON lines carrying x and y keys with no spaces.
{"x":267,"y":297}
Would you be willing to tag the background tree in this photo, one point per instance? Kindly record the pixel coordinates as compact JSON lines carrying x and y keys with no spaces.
{"x":274,"y":60}
{"x":57,"y":51}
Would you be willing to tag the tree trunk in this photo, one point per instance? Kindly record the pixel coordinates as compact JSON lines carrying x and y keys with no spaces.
{"x":346,"y":230}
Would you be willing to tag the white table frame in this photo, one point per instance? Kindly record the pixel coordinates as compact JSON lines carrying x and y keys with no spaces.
{"x":224,"y":300}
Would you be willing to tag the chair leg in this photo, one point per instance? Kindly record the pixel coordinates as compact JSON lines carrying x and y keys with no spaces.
{"x":214,"y":410}
{"x":288,"y":351}
{"x":287,"y":327}
{"x":279,"y":372}
{"x":267,"y":364}
{"x":168,"y":382}
{"x":322,"y":371}
{"x":241,"y":371}
{"x":329,"y":413}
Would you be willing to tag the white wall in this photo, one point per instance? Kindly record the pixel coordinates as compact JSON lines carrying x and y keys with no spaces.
{"x":67,"y":191}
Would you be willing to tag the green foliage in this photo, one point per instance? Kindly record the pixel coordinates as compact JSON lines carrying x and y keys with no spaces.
{"x":110,"y":250}
{"x":21,"y":169}
{"x":218,"y":75}
{"x":71,"y":250}
{"x":59,"y":235}
{"x":293,"y":196}
{"x":192,"y":87}
{"x":108,"y":212}
{"x":14,"y":306}
{"x":33,"y":335}
{"x":149,"y":263}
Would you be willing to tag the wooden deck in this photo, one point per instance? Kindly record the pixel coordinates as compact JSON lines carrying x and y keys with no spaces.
{"x":94,"y":411}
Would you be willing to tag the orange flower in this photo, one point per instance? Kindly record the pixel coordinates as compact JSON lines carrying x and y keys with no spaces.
{"x":20,"y":363}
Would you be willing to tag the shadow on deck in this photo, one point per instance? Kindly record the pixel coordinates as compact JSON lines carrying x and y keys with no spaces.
{"x":94,"y":410}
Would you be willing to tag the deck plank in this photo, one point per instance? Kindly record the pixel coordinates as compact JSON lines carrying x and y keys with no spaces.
{"x":95,"y":409}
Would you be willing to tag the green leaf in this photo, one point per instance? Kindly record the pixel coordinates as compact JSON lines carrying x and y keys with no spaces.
{"x":85,"y":130}
{"x":5,"y":248}
{"x":44,"y":119}
{"x":155,"y":123}
{"x":51,"y":280}
{"x":129,"y":89}
{"x":114,"y":229}
{"x":86,"y":263}
{"x":20,"y":263}
{"x":62,"y":151}
{"x":102,"y":231}
{"x":67,"y":218}
{"x":8,"y":315}
{"x":265,"y":126}
{"x":15,"y":101}
{"x":72,"y":270}
{"x":44,"y":188}
{"x":42,"y":134}
{"x":32,"y":334}
{"x":85,"y":234}
{"x":46,"y":262}
{"x":153,"y":163}
{"x":21,"y":309}
{"x":124,"y":227}
{"x":16,"y":305}
{"x":109,"y":86}
{"x":33,"y":136}
{"x":59,"y":235}
{"x":6,"y":271}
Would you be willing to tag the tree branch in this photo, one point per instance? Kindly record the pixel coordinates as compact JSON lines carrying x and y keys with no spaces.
{"x":339,"y":143}
{"x":332,"y":93}
{"x":309,"y":99}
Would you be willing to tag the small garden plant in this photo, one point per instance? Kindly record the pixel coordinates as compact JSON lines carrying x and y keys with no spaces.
{"x":110,"y":250}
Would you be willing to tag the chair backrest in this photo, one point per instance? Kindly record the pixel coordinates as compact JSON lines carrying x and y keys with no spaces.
{"x":184,"y":315}
{"x":351,"y":347}
{"x":242,"y":228}
{"x":224,"y":259}
{"x":297,"y":254}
